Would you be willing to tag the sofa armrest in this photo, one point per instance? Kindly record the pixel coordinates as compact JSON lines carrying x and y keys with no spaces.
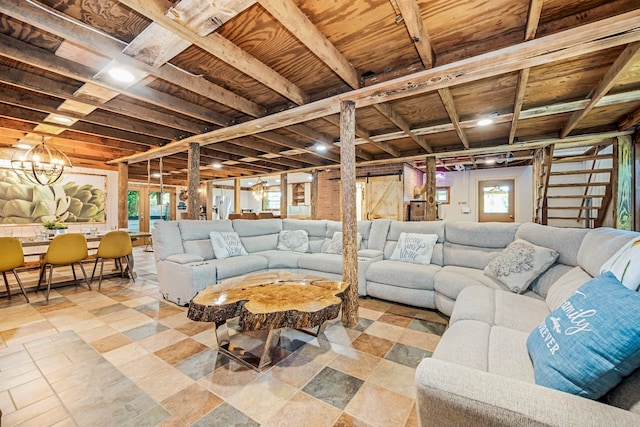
{"x":455,"y":395}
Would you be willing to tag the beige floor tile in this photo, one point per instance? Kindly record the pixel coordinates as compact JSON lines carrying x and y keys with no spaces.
{"x":161,"y":340}
{"x":228,"y":379}
{"x":143,"y":367}
{"x":347,"y":420}
{"x":320,"y":351}
{"x":6,"y":404}
{"x":395,"y":377}
{"x":367,"y":313}
{"x":190,"y":404}
{"x":52,"y":417}
{"x":419,"y":339}
{"x":30,"y":331}
{"x":296,"y":370}
{"x":28,"y":393}
{"x":207,"y":338}
{"x":433,"y":316}
{"x":126,"y":319}
{"x":340,"y":335}
{"x":111,"y":342}
{"x":125,"y":354}
{"x":301,"y":406}
{"x":385,"y":330}
{"x":53,"y":363}
{"x":262,"y":398}
{"x":165,"y":383}
{"x":30,"y":412}
{"x":413,"y":418}
{"x":180,"y":351}
{"x":19,"y":316}
{"x":97,"y":333}
{"x":17,"y":380}
{"x":376,"y":346}
{"x":355,"y":363}
{"x":380,"y":407}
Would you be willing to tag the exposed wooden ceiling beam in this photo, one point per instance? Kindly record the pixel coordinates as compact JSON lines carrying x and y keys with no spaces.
{"x":366,"y":135}
{"x":221,"y":48}
{"x":390,"y":113}
{"x":414,"y":23}
{"x":298,"y":24}
{"x":619,"y":67}
{"x":276,"y":138}
{"x":102,"y":45}
{"x":533,"y":18}
{"x":606,"y":33}
{"x":630,"y":120}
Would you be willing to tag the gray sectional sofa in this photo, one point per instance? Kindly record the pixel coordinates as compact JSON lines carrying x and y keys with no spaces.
{"x":480,"y":373}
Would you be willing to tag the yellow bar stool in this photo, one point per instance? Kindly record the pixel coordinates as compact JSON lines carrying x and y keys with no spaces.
{"x":114,"y":245}
{"x":65,"y":249}
{"x":11,"y":257}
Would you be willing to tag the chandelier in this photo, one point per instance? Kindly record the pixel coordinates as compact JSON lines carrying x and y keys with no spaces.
{"x":42,"y":164}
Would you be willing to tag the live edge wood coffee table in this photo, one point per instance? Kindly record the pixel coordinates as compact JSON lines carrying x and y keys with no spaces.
{"x":267,"y":301}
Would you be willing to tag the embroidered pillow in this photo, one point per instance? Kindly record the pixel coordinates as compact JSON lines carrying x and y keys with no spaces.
{"x":226,"y":244}
{"x":414,"y":248}
{"x":589,"y":343}
{"x":625,"y":265}
{"x":293,"y":240}
{"x":519,"y":264}
{"x":334,"y":246}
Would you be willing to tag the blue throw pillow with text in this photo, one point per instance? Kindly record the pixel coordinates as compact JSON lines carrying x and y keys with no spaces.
{"x":589,"y":343}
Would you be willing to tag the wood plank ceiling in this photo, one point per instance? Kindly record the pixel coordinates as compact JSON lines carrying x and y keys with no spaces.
{"x":259,"y":83}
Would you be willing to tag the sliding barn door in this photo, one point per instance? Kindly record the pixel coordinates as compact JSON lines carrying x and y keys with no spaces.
{"x":383,"y":198}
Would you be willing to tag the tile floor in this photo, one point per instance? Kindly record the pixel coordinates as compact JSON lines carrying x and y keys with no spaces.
{"x":125,"y":357}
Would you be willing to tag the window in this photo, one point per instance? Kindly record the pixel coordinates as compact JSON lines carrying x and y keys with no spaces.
{"x":271,"y":201}
{"x":442,"y":195}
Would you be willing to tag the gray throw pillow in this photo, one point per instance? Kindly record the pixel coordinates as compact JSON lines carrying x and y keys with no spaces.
{"x":334,"y":245}
{"x":519,"y":264}
{"x":293,"y":240}
{"x":226,"y":244}
{"x":415,"y":248}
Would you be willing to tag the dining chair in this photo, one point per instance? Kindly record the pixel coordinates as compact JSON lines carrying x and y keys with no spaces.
{"x":264,"y":215}
{"x":65,"y":249}
{"x":235,"y":216}
{"x":114,"y":245}
{"x":11,"y":257}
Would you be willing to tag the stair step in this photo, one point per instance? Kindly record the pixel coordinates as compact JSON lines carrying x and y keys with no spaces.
{"x":584,"y":184}
{"x":575,"y":159}
{"x":573,"y":207}
{"x":576,"y":218}
{"x":568,"y":196}
{"x":581,"y":172}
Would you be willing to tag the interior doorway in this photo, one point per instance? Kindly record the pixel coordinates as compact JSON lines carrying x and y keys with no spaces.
{"x":496,"y":200}
{"x":146,"y":205}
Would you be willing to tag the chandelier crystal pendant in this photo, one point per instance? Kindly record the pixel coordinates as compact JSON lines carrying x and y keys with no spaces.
{"x":41,"y":165}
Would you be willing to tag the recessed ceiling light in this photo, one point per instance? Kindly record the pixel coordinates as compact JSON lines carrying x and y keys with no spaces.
{"x":121,"y":75}
{"x":277,"y":181}
{"x":217,"y":166}
{"x":485,"y":122}
{"x":156,"y":175}
{"x":321,"y":147}
{"x":310,"y":178}
{"x":23,"y":146}
{"x":62,"y":119}
{"x":489,"y":161}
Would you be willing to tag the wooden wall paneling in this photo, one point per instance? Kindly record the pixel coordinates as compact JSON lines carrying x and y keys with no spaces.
{"x":349,"y":219}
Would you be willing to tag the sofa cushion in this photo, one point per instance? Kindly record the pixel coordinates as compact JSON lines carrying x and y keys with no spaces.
{"x":543,"y":283}
{"x":452,"y":279}
{"x":293,"y":240}
{"x":201,"y":248}
{"x":199,"y":230}
{"x":403,"y":274}
{"x":280,"y":259}
{"x":565,"y":286}
{"x":184,"y":258}
{"x":565,"y":241}
{"x":481,"y":234}
{"x":314,"y":228}
{"x":334,"y":245}
{"x":237,"y":266}
{"x":469,"y":256}
{"x":252,"y":227}
{"x":625,"y":264}
{"x":499,"y":308}
{"x":227,"y":244}
{"x":599,"y":245}
{"x":329,"y":263}
{"x":520,"y":264}
{"x":588,"y":344}
{"x":166,"y":240}
{"x":414,"y":248}
{"x":378,"y":234}
{"x":626,"y":395}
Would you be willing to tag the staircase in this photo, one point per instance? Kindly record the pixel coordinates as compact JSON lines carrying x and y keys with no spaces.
{"x":573,"y":186}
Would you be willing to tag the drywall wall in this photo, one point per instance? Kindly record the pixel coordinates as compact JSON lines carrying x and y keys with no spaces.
{"x":464,"y":188}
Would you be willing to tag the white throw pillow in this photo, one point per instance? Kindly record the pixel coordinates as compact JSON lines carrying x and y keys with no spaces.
{"x":334,"y":246}
{"x":415,"y":248}
{"x":226,"y":244}
{"x":519,"y":264}
{"x":293,"y":240}
{"x":625,"y":264}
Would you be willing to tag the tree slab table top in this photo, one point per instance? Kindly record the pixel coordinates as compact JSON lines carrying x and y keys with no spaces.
{"x":267,"y":301}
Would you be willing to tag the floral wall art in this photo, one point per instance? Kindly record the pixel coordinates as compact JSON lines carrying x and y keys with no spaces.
{"x":76,"y":198}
